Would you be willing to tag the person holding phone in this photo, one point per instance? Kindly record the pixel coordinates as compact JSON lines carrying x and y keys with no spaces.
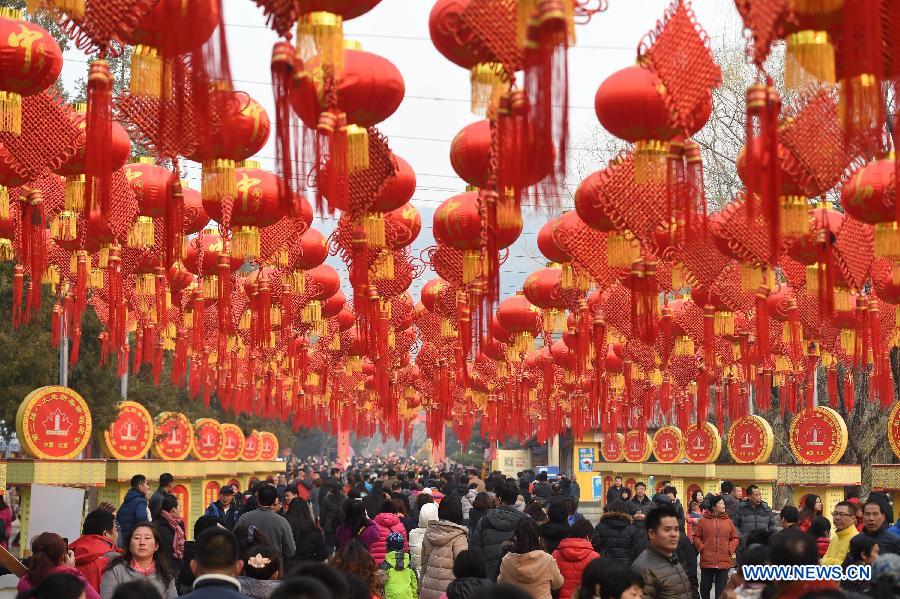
{"x":50,"y":554}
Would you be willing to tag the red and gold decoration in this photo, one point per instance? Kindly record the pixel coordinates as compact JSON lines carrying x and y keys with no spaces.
{"x":209,"y":439}
{"x":174,"y":436}
{"x":53,"y":423}
{"x":702,"y":443}
{"x":637,"y":446}
{"x":252,"y":446}
{"x":668,"y":444}
{"x":232,"y":442}
{"x":131,"y":436}
{"x":613,"y":447}
{"x":818,"y":436}
{"x":268,"y":446}
{"x":750,"y":440}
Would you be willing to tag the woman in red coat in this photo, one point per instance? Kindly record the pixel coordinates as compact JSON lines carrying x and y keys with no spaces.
{"x":573,"y":555}
{"x":716,"y":539}
{"x":375,"y":535}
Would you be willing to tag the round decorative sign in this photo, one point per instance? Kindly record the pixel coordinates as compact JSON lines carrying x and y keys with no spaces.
{"x":637,"y":446}
{"x":613,"y":447}
{"x":233,"y":446}
{"x":252,"y":446}
{"x":174,"y":436}
{"x":750,"y":440}
{"x":702,"y":443}
{"x":818,"y":436}
{"x":268,"y":446}
{"x":893,"y":429}
{"x":208,"y":439}
{"x":667,"y":444}
{"x":131,"y":435}
{"x":53,"y":423}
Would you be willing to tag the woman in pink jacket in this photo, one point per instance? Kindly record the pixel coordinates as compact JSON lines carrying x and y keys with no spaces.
{"x":374,"y":537}
{"x":49,"y":555}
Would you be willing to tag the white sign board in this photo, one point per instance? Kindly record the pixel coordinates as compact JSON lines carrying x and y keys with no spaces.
{"x":52,"y":510}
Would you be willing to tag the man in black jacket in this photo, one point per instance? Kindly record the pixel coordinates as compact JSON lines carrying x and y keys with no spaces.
{"x":496,"y":527}
{"x":640,"y":505}
{"x":875,"y":526}
{"x":224,"y":510}
{"x":166,"y":481}
{"x":684,"y":552}
{"x":614,"y":493}
{"x":615,"y":536}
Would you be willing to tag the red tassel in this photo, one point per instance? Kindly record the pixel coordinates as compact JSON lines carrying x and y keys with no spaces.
{"x":849,"y":402}
{"x":198,"y":322}
{"x":175,"y":238}
{"x":709,"y":335}
{"x":762,"y":325}
{"x":696,"y":197}
{"x":55,"y":318}
{"x":831,"y":383}
{"x":702,"y":395}
{"x":98,"y":137}
{"x":287,"y":151}
{"x":812,"y":361}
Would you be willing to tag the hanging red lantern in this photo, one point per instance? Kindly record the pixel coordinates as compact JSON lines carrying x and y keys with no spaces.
{"x":397,"y":190}
{"x":457,"y":223}
{"x":521,"y":318}
{"x":30,"y":61}
{"x":630,"y":105}
{"x":470,"y":156}
{"x":805,"y":249}
{"x":369,"y":90}
{"x":589,"y":206}
{"x":257,"y":204}
{"x":543,"y":288}
{"x":170,"y":28}
{"x":333,"y":306}
{"x":442,"y":22}
{"x":431,"y":292}
{"x":322,"y":283}
{"x":75,"y":167}
{"x":240,"y":131}
{"x":345,"y":319}
{"x":195,"y":217}
{"x":404,"y":225}
{"x":211,"y":246}
{"x":150,"y":183}
{"x":869,"y":196}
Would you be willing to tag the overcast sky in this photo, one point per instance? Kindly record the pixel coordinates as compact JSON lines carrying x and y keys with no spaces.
{"x":436,"y":105}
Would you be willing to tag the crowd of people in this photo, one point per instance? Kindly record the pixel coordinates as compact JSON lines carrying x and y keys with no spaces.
{"x":396,"y":529}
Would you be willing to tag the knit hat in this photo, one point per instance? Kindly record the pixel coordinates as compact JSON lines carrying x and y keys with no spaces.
{"x":428,"y":513}
{"x":395,"y":542}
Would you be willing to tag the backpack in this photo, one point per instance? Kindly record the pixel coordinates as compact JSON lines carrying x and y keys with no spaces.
{"x":402,"y":581}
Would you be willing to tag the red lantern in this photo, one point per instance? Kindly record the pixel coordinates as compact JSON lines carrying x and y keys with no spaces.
{"x":631,"y":106}
{"x":444,"y":17}
{"x":313,"y":250}
{"x":805,"y":249}
{"x":324,"y":280}
{"x":548,"y":243}
{"x":195,"y":217}
{"x":30,"y":61}
{"x":170,"y":28}
{"x":333,"y":306}
{"x":212,"y":246}
{"x":470,"y":156}
{"x":345,"y":319}
{"x":256,"y":204}
{"x":563,"y":356}
{"x":543,"y":288}
{"x":521,"y":318}
{"x":74,"y":168}
{"x":150,"y":183}
{"x":431,"y":292}
{"x":869,"y":197}
{"x":590,"y":207}
{"x":404,"y":225}
{"x":457,"y":223}
{"x":241,"y":130}
{"x":397,"y":190}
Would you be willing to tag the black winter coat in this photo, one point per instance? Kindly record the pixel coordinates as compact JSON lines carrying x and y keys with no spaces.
{"x":492,"y":531}
{"x":553,"y":533}
{"x":614,"y":537}
{"x":308,"y":537}
{"x":329,"y":505}
{"x":464,"y":588}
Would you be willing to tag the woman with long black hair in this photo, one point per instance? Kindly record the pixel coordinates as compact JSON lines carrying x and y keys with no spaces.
{"x":307,"y":535}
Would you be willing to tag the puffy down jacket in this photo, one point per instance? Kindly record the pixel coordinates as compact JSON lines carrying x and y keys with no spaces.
{"x":572,"y":556}
{"x":614,"y":537}
{"x":375,"y":536}
{"x":443,"y":542}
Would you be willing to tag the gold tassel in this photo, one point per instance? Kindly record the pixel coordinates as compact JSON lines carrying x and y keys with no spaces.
{"x":817,"y":7}
{"x":245,"y":243}
{"x":298,"y":281}
{"x":145,"y":284}
{"x":146,"y":72}
{"x":335,"y":343}
{"x":95,"y":280}
{"x":4,"y":203}
{"x":568,"y":276}
{"x":218,"y":179}
{"x":311,"y":312}
{"x":488,"y":80}
{"x":794,"y":216}
{"x":848,"y":341}
{"x":6,"y":250}
{"x":622,"y":250}
{"x":448,"y":331}
{"x":103,"y":256}
{"x":321,"y":34}
{"x":373,"y":222}
{"x":75,"y":193}
{"x":809,"y":57}
{"x":866,"y":92}
{"x":141,"y":232}
{"x":245,"y":321}
{"x":812,"y":279}
{"x":211,"y":286}
{"x":843,"y":300}
{"x":51,"y":275}
{"x":280,"y":259}
{"x":895,"y":276}
{"x":73,"y":8}
{"x":887,"y":240}
{"x":383,"y":268}
{"x":523,"y":342}
{"x":65,"y":226}
{"x":275,"y":316}
{"x":650,"y":160}
{"x":10,"y":113}
{"x":724,"y":323}
{"x":554,"y":320}
{"x":751,"y":276}
{"x":684,"y":346}
{"x":471,"y":265}
{"x":357,"y":148}
{"x":617,"y":382}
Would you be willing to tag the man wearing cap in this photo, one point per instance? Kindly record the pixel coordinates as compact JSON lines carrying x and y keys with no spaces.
{"x":224,"y":509}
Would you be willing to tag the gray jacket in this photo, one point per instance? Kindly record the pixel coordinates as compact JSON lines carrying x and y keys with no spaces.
{"x":122,"y":573}
{"x":274,"y":527}
{"x":664,"y":577}
{"x":749,"y":518}
{"x":731,"y":506}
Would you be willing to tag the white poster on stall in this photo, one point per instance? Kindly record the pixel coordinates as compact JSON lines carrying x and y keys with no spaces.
{"x":53,"y":509}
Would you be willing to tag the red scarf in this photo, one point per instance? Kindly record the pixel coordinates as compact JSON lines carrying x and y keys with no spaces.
{"x":178,"y":540}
